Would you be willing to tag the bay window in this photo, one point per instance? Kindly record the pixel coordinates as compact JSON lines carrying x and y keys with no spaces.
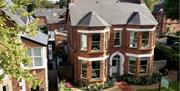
{"x":145,"y":39}
{"x":83,"y":41}
{"x":117,"y":39}
{"x":133,"y":39}
{"x":95,"y":70}
{"x":36,"y":55}
{"x":132,"y":65}
{"x":95,"y":42}
{"x":143,"y":65}
{"x":83,"y":69}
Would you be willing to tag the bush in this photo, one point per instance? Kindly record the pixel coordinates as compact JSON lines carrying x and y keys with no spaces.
{"x":142,"y":80}
{"x":98,"y":86}
{"x":164,"y":53}
{"x":172,"y":39}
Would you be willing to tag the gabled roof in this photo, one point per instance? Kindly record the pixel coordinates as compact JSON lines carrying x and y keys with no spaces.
{"x":40,"y":38}
{"x":92,"y":19}
{"x":114,"y":12}
{"x":49,"y":12}
{"x":137,"y":18}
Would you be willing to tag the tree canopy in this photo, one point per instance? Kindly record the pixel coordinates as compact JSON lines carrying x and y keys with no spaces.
{"x":12,"y":51}
{"x":150,"y":3}
{"x":171,"y":9}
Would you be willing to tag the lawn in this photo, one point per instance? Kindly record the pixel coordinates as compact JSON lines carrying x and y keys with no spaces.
{"x":174,"y":86}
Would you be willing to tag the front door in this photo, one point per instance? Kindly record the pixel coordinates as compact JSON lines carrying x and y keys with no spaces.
{"x":115,"y":64}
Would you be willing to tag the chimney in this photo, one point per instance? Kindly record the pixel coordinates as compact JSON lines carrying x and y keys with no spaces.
{"x":71,"y":1}
{"x":141,"y":1}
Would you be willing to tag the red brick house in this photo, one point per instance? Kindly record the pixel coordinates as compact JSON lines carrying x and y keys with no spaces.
{"x":165,"y":25}
{"x":52,"y":18}
{"x":110,"y":38}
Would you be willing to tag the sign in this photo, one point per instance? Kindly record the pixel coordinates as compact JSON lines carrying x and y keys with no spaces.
{"x":164,"y":82}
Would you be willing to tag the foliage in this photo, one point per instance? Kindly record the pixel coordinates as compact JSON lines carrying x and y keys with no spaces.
{"x":165,"y":53}
{"x":171,"y":39}
{"x":63,"y":3}
{"x":44,"y":29}
{"x":142,"y":80}
{"x":98,"y":86}
{"x":62,"y":87}
{"x":150,"y":3}
{"x":32,"y":4}
{"x":171,"y":9}
{"x":174,"y":86}
{"x":12,"y":51}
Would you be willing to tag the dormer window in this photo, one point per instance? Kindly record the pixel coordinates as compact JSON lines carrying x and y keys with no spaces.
{"x":95,"y":43}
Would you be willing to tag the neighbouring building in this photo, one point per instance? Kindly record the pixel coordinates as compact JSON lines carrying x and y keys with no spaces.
{"x":37,"y":49}
{"x":110,"y":38}
{"x":165,"y":24}
{"x":52,"y":18}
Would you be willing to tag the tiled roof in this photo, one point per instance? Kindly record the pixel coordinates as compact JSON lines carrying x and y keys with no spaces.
{"x":114,"y":12}
{"x":40,"y":37}
{"x":92,"y":19}
{"x":49,"y":12}
{"x":137,"y":18}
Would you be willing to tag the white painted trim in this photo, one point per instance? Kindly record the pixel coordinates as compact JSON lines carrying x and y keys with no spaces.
{"x":118,"y":29}
{"x":141,"y":30}
{"x":121,"y":62}
{"x":93,"y":31}
{"x":93,"y":59}
{"x":139,"y":55}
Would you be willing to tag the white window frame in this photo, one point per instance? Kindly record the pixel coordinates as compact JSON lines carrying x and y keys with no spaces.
{"x":83,"y":69}
{"x":6,"y":86}
{"x":96,"y":41}
{"x":96,"y":70}
{"x":50,"y":52}
{"x":106,"y":40}
{"x":145,"y":40}
{"x":115,"y":32}
{"x":83,"y":47}
{"x":130,"y":64}
{"x":144,"y":65}
{"x":132,"y":39}
{"x":33,"y":56}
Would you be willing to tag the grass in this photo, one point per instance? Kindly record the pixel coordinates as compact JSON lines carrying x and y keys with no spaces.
{"x":174,"y":86}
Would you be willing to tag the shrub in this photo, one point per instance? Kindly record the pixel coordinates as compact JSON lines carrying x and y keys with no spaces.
{"x":164,"y":53}
{"x":98,"y":86}
{"x":142,"y":80}
{"x":172,"y":39}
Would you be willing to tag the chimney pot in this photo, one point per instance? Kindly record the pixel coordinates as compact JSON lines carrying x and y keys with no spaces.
{"x":71,"y":1}
{"x":141,"y":1}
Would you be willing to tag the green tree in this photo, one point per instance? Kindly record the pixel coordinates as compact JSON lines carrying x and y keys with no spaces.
{"x":171,"y":9}
{"x":63,"y":3}
{"x":150,"y":3}
{"x":12,"y":51}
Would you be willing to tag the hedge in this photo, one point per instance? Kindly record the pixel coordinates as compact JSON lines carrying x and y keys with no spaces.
{"x":171,"y":39}
{"x":164,"y":53}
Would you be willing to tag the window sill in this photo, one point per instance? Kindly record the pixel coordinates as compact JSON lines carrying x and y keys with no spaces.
{"x":95,"y":79}
{"x":83,"y":50}
{"x":117,"y":46}
{"x":34,"y":68}
{"x":98,"y":51}
{"x":145,"y":48}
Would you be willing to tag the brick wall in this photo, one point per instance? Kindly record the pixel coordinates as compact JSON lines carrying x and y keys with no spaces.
{"x":74,"y":42}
